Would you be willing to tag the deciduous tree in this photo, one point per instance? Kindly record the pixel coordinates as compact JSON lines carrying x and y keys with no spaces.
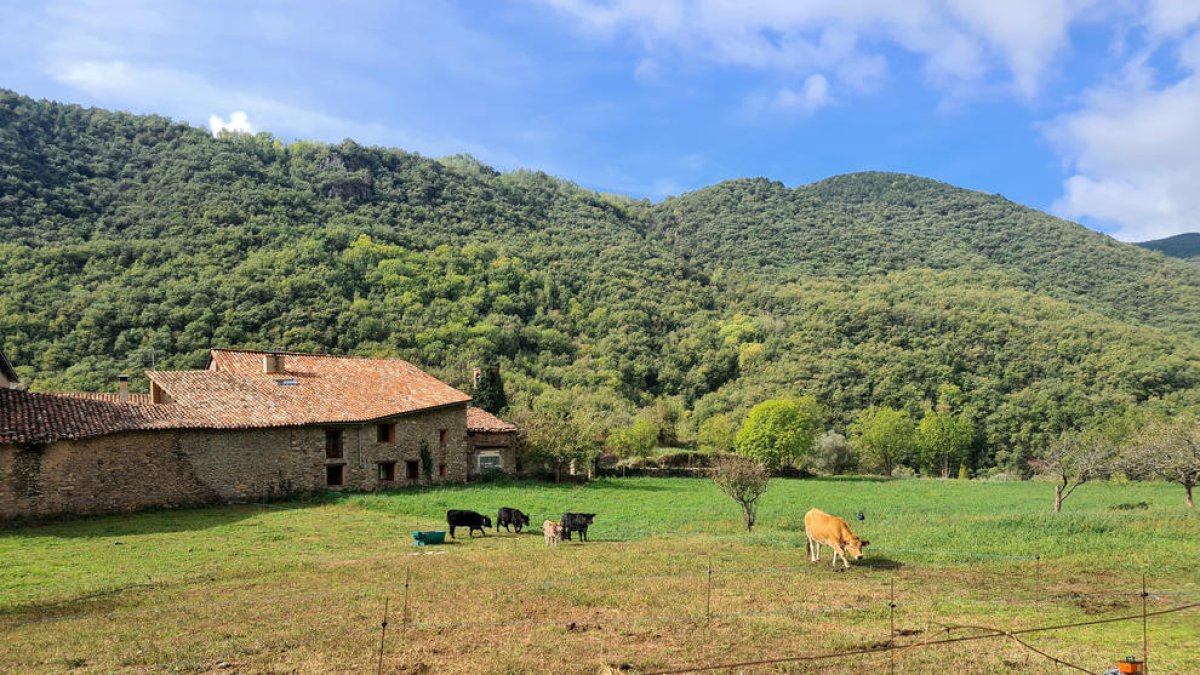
{"x":744,"y":481}
{"x":779,"y":432}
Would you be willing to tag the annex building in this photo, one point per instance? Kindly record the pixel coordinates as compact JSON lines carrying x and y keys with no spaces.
{"x":251,"y":425}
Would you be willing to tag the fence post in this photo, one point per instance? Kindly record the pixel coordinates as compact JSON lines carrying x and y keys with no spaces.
{"x":1037,"y":583}
{"x":892,"y":628}
{"x":404,"y":615}
{"x":383,"y":632}
{"x":1145,"y":631}
{"x":708,"y":595}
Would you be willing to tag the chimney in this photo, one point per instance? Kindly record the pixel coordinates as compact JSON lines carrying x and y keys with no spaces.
{"x":273,"y":362}
{"x":123,"y":388}
{"x":475,"y":376}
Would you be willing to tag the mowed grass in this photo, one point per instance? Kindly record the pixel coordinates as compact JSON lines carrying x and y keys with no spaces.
{"x":301,"y":586}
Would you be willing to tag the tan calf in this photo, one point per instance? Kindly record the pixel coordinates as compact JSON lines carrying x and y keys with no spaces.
{"x":552,"y":530}
{"x":833,"y":532}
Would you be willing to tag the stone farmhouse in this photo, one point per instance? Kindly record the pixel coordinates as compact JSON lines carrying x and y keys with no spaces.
{"x":252,"y":425}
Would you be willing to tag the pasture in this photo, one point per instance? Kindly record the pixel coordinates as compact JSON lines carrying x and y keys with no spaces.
{"x":300,"y":586}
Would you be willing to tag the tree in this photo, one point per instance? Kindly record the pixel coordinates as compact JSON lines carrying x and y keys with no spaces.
{"x":555,"y":439}
{"x":744,"y":481}
{"x":637,"y":440}
{"x":716,"y":435}
{"x":832,"y":454}
{"x":489,"y":390}
{"x":943,"y":440}
{"x":884,"y":438}
{"x":1168,"y":449}
{"x":1076,"y":458}
{"x":779,"y":432}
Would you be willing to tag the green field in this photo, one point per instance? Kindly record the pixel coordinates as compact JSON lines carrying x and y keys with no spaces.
{"x":300,"y":586}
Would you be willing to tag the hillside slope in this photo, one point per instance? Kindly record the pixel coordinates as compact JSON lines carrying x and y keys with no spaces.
{"x":1185,"y":246}
{"x":131,"y":241}
{"x":872,"y":223}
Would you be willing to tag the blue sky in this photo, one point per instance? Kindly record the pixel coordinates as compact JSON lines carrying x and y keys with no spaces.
{"x":1087,"y":108}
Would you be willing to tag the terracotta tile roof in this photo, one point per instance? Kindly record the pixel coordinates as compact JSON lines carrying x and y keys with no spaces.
{"x":480,"y":420}
{"x":27,"y":417}
{"x":135,"y":399}
{"x":235,"y":392}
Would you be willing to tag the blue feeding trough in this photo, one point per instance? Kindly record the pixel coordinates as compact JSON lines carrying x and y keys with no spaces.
{"x":429,"y":538}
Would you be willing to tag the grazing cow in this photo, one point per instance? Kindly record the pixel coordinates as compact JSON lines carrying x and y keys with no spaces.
{"x":553,"y":532}
{"x":468,"y":519}
{"x":831,"y":531}
{"x":576,"y":522}
{"x":507,"y":516}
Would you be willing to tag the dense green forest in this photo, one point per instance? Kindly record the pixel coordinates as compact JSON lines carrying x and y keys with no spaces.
{"x":1186,"y":246}
{"x":135,"y":241}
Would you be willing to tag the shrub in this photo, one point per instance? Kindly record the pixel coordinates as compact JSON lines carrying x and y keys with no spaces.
{"x":832,"y":454}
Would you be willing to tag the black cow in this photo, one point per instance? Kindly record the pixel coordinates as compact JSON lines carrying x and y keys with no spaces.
{"x":468,"y":519}
{"x":577,"y":522}
{"x":507,"y":516}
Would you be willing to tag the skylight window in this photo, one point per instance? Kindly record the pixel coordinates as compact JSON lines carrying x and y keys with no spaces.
{"x":287,"y":383}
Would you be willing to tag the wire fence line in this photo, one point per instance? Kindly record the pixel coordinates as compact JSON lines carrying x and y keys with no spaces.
{"x":892,"y":647}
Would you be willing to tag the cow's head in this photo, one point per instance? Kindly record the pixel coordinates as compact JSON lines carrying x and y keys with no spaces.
{"x":587,"y":517}
{"x":487,"y":522}
{"x":522,"y":518}
{"x":855,"y":547}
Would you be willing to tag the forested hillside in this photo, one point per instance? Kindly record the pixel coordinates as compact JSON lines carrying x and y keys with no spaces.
{"x":1185,"y":246}
{"x":133,"y":240}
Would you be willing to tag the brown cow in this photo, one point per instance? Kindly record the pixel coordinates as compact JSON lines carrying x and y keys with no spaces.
{"x":831,"y":531}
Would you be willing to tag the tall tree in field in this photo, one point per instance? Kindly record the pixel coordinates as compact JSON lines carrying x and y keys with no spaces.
{"x":779,"y":432}
{"x":943,"y":440}
{"x":744,"y":481}
{"x":1168,"y":449}
{"x":1076,"y":458}
{"x":884,"y":438}
{"x":488,"y":391}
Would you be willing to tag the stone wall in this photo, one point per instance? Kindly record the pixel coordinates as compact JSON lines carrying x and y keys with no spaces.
{"x":503,"y":442}
{"x":144,"y":469}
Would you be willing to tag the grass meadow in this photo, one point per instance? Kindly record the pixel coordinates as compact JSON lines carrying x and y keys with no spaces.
{"x":300,"y":587}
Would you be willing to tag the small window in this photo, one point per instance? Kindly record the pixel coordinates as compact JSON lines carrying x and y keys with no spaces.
{"x":387,"y":471}
{"x":334,"y":474}
{"x":333,"y":444}
{"x":412,"y":470}
{"x":443,"y":434}
{"x":441,"y":470}
{"x":489,"y":460}
{"x":385,"y":433}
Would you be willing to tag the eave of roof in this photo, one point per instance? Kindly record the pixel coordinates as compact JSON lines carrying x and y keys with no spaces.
{"x":7,"y":368}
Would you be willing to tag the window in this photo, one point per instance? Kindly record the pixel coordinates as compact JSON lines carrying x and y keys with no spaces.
{"x":385,"y":433}
{"x":442,"y":435}
{"x":387,"y":471}
{"x":334,"y":474}
{"x":489,"y":460}
{"x":441,"y":470}
{"x":412,"y":470}
{"x":333,"y":444}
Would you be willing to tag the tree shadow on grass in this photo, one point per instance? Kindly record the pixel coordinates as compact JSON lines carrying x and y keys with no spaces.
{"x":150,"y":521}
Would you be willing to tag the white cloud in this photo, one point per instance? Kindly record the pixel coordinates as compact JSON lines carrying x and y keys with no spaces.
{"x":960,"y":41}
{"x":238,"y":122}
{"x":1133,"y":151}
{"x":814,"y":94}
